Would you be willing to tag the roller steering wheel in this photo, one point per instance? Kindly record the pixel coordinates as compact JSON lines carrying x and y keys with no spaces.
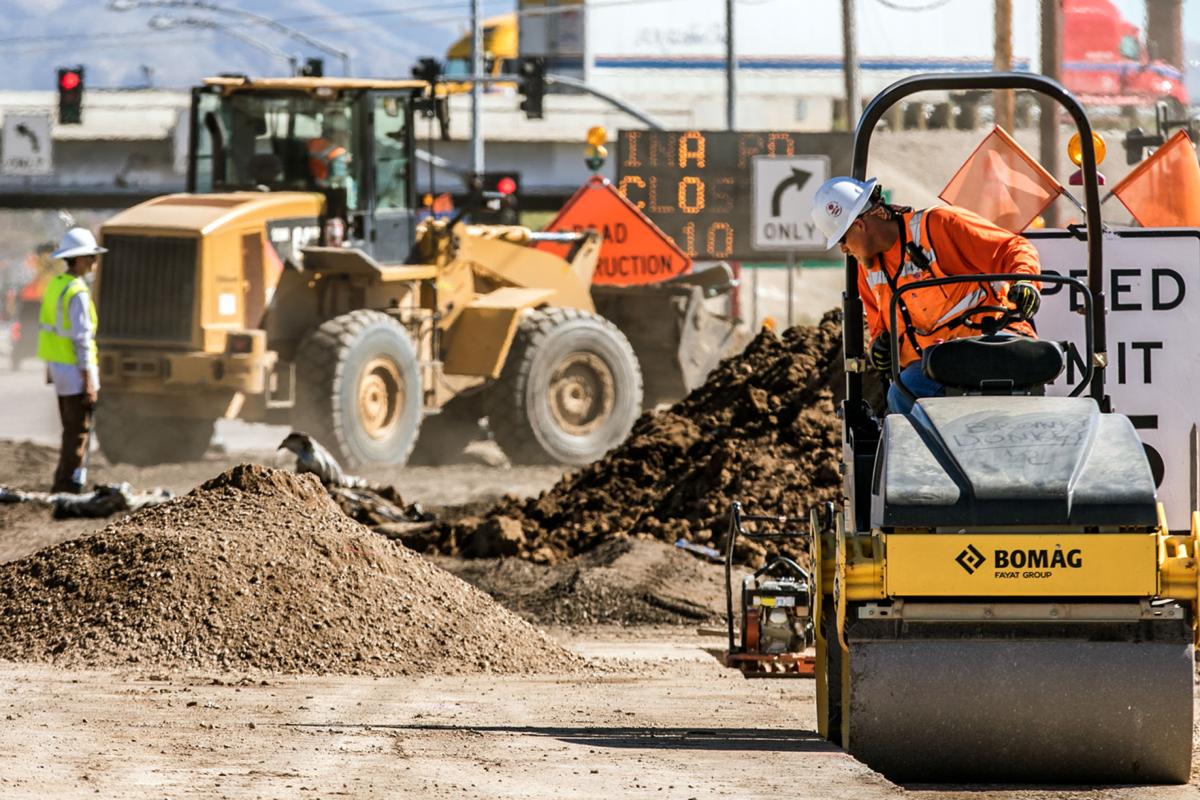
{"x":991,"y":325}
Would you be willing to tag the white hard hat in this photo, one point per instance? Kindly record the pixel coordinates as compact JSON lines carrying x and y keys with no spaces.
{"x":78,"y":242}
{"x":837,"y":203}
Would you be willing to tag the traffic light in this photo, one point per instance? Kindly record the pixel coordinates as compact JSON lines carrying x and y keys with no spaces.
{"x":501,"y":199}
{"x":313,"y":68}
{"x":70,"y":95}
{"x":427,"y":69}
{"x":595,"y":153}
{"x":533,"y":85}
{"x":431,"y":105}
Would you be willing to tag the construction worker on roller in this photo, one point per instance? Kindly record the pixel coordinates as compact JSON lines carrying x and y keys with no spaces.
{"x":67,"y":343}
{"x":894,"y":246}
{"x":329,"y":155}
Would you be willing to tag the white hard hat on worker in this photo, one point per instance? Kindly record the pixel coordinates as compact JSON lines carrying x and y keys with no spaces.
{"x":837,"y":203}
{"x":78,"y":242}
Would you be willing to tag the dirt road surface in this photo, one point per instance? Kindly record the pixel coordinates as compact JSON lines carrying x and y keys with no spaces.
{"x":655,"y":716}
{"x":666,"y":722}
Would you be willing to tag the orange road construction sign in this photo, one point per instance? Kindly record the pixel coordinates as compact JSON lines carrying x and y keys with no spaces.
{"x":633,"y":251}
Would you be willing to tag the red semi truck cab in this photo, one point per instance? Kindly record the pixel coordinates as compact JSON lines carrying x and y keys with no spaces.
{"x":1105,"y":60}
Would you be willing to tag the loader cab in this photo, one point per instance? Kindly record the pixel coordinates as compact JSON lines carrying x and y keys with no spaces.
{"x":348,"y":140}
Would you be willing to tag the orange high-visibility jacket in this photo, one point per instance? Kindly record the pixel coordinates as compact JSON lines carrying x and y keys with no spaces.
{"x":955,"y":241}
{"x":321,"y":155}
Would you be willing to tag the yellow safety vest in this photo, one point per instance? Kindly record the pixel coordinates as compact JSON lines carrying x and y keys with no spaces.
{"x":54,"y":334}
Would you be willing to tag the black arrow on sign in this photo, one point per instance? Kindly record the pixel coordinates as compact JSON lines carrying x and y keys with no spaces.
{"x":24,"y":130}
{"x":798,"y":179}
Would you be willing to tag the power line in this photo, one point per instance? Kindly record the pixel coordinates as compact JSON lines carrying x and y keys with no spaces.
{"x":144,"y":41}
{"x":138,"y":34}
{"x":73,"y":36}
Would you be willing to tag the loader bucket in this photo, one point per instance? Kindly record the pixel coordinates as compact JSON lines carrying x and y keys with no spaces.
{"x":677,"y":337}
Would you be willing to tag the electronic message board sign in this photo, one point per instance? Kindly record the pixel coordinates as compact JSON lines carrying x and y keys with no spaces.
{"x":698,"y":186}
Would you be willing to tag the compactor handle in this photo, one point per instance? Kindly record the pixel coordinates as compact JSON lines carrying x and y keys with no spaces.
{"x":1009,"y":316}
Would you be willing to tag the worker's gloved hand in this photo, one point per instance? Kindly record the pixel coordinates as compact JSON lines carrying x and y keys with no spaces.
{"x":1025,"y":296}
{"x":880,"y":353}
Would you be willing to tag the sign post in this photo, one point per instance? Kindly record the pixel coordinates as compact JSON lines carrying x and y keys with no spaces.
{"x":26,"y":144}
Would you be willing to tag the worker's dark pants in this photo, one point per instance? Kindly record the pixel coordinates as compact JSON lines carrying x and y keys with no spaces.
{"x":916,"y":382}
{"x":76,"y":417}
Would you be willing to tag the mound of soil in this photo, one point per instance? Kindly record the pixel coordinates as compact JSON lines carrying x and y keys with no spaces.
{"x":623,"y":582}
{"x":257,"y":569}
{"x":27,"y":464}
{"x":761,"y":430}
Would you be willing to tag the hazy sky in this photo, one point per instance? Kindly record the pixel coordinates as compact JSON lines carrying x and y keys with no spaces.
{"x":1135,"y":12}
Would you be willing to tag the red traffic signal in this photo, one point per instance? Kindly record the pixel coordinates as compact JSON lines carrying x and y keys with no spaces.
{"x":506,"y":185}
{"x":70,"y":95}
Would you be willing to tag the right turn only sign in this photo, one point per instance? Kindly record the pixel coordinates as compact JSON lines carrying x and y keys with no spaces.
{"x":783,"y":193}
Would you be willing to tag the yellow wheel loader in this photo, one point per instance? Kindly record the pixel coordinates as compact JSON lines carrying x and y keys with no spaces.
{"x":294,"y":284}
{"x":998,"y":597}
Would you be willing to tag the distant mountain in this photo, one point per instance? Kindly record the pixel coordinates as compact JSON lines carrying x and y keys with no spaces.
{"x":121,"y":50}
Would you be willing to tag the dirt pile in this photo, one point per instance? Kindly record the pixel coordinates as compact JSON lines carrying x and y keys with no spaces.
{"x":623,"y":581}
{"x":256,"y":569}
{"x":26,"y":463}
{"x":762,"y":430}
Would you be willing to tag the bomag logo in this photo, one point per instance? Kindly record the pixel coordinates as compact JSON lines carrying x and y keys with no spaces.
{"x":1038,"y":559}
{"x":970,"y":559}
{"x":1021,"y":562}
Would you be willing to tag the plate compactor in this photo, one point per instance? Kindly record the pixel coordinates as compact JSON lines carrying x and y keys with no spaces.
{"x":776,"y":626}
{"x":999,"y":598}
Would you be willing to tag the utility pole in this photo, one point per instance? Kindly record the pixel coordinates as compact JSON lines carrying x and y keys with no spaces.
{"x":1003,"y":101}
{"x":476,"y":92}
{"x":850,"y":63}
{"x":1051,"y":68}
{"x":730,"y":69}
{"x":1164,"y":31}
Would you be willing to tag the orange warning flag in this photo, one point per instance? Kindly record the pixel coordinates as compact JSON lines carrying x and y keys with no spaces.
{"x":1003,"y":183}
{"x":1164,"y":190}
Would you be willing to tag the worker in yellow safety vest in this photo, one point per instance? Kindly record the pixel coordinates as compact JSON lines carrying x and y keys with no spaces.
{"x":67,"y":343}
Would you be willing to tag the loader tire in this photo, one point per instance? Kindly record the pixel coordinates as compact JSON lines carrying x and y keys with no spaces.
{"x":569,"y":391}
{"x":359,"y":389}
{"x":128,"y":438}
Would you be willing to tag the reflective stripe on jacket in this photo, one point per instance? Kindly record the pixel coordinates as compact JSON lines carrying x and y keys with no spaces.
{"x":322,"y":154}
{"x":54,"y":332}
{"x":954,"y":241}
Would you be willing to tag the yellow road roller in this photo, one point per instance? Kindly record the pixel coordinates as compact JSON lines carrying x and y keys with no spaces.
{"x":998,"y":597}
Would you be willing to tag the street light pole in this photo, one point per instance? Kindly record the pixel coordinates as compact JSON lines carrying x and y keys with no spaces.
{"x":206,"y":5}
{"x":477,"y":164}
{"x":850,"y":63}
{"x":730,"y":68}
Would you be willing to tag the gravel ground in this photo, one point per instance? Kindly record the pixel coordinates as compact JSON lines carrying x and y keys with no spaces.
{"x":256,"y":569}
